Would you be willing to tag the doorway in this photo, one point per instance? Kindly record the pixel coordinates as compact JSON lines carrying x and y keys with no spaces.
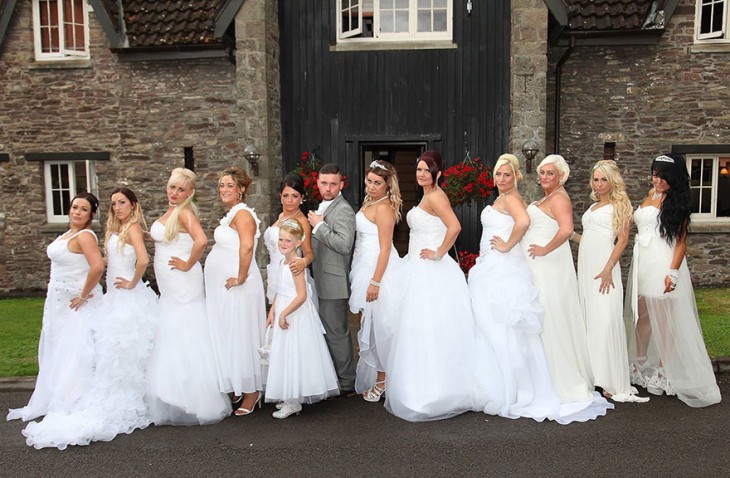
{"x":403,"y":158}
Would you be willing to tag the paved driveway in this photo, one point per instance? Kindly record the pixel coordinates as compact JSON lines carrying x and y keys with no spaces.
{"x":349,"y":437}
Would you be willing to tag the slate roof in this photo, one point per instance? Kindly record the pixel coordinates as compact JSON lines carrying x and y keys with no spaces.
{"x":153,"y":23}
{"x":599,"y":15}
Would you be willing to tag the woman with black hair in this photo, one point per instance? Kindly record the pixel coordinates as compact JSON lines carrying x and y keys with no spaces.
{"x":666,"y":352}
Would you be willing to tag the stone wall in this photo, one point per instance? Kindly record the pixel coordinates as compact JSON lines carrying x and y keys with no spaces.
{"x":645,"y":98}
{"x":143,"y":114}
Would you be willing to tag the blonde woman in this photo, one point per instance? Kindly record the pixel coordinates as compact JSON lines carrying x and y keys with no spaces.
{"x":374,"y":257}
{"x":235,"y":295}
{"x":182,"y":385}
{"x":606,"y":225}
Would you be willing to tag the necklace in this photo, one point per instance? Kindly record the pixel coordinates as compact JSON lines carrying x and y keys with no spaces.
{"x":507,"y":193}
{"x":540,"y":201}
{"x":656,"y":196}
{"x":281,"y":221}
{"x":368,"y":204}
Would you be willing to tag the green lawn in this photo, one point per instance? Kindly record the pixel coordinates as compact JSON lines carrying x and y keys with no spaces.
{"x":20,"y":325}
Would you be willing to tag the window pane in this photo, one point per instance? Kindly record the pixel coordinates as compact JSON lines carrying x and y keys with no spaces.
{"x":401,"y":4}
{"x":54,"y":176}
{"x":695,"y":200}
{"x":723,"y":189}
{"x":386,"y":22}
{"x":401,"y":21}
{"x":439,"y":21}
{"x":63,"y":174}
{"x":705,"y":200}
{"x":424,"y":3}
{"x":707,"y":172}
{"x":717,"y":17}
{"x":386,"y":4}
{"x":695,"y":171}
{"x":424,"y":21}
{"x":57,"y":203}
{"x":440,"y":3}
{"x":81,"y":177}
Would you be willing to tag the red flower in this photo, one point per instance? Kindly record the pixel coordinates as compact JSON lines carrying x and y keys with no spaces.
{"x":467,"y":181}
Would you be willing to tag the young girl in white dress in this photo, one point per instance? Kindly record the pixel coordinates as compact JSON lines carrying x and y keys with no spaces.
{"x":181,"y":381}
{"x":605,"y":235}
{"x":123,"y":330}
{"x":66,"y":350}
{"x":235,"y":295}
{"x":374,"y":257}
{"x":300,"y":367}
{"x":666,"y":350}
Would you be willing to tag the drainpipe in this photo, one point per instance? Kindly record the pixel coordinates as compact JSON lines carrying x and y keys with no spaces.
{"x":558,"y":77}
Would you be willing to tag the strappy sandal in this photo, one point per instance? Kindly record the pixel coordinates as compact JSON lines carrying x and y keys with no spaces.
{"x":374,"y":393}
{"x":241,"y":411}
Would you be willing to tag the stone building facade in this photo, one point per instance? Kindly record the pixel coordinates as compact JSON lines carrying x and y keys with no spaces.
{"x":648,"y":99}
{"x":135,"y":118}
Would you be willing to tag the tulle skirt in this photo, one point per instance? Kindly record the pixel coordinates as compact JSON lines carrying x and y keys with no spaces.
{"x":115,"y":402}
{"x":300,"y":366}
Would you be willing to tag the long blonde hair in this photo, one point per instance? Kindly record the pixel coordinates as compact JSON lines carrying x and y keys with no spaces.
{"x":114,"y":225}
{"x":386,"y":171}
{"x":185,"y":177}
{"x":618,"y":197}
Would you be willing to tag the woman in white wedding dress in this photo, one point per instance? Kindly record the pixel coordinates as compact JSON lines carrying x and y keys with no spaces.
{"x":506,"y":306}
{"x":124,"y":327}
{"x":235,"y":296}
{"x":374,"y":257}
{"x":291,"y":197}
{"x":431,"y":363}
{"x":606,"y":225}
{"x":65,"y":349}
{"x":551,"y":261}
{"x":666,"y":350}
{"x":181,"y":381}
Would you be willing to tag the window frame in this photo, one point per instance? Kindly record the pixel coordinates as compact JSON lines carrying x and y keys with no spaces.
{"x":710,"y":217}
{"x":405,"y":37}
{"x":723,"y":35}
{"x":91,"y":184}
{"x":64,"y":54}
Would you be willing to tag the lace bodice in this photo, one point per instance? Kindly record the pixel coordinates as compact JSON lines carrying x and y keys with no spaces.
{"x":599,"y":221}
{"x":227,"y":237}
{"x":120,"y":262}
{"x":427,"y":231}
{"x":367,"y":235}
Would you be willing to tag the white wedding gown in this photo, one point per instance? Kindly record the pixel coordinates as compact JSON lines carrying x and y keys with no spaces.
{"x":65,"y":349}
{"x":676,"y":342}
{"x":435,"y":369}
{"x":181,"y":381}
{"x":375,"y":335}
{"x":603,"y":313}
{"x":236,"y":316}
{"x":124,"y":328}
{"x":564,"y":333}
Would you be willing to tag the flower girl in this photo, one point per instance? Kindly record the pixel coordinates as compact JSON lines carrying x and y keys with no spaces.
{"x":300,"y":367}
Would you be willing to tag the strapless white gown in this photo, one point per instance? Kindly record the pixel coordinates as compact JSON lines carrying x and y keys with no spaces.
{"x":66,"y":348}
{"x":676,"y":339}
{"x":271,"y":241}
{"x":124,"y":329}
{"x":236,"y":316}
{"x":375,"y":335}
{"x":564,"y":333}
{"x":434,"y":367}
{"x":181,"y":380}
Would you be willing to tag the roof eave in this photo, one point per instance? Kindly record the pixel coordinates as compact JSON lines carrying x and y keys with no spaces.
{"x":6,"y":13}
{"x":609,"y":37}
{"x":226,"y":15}
{"x":113,"y":32}
{"x":173,"y":52}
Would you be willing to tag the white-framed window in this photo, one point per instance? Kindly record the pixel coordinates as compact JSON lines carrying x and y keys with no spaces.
{"x":710,"y":186}
{"x":61,"y":29}
{"x":64,"y":180}
{"x":711,"y":21}
{"x":394,"y":20}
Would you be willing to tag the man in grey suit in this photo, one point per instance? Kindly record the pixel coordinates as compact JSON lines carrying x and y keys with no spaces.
{"x":333,"y":235}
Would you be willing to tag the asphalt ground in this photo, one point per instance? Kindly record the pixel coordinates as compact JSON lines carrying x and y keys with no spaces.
{"x":350,"y":437}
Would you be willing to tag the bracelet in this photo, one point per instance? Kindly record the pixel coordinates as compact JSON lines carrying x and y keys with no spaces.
{"x":376,"y":284}
{"x":572,"y":235}
{"x":436,"y":256}
{"x":82,"y":298}
{"x":673,"y":276}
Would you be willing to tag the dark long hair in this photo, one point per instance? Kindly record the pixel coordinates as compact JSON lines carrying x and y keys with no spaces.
{"x":91,"y":199}
{"x":296,"y":182}
{"x":676,"y":208}
{"x":434,"y":162}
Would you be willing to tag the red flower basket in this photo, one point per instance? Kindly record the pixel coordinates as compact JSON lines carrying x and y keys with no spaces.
{"x":308,"y":169}
{"x":467,"y":260}
{"x":469,"y":180}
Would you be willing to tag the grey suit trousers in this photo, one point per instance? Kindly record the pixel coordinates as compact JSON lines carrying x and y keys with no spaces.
{"x":333,"y":313}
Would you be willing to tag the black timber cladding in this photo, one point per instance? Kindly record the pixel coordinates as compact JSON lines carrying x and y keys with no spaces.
{"x":336,"y":100}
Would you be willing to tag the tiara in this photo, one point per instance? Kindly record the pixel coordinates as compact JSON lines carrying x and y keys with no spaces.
{"x":293,"y":223}
{"x":376,"y":164}
{"x":664,"y":159}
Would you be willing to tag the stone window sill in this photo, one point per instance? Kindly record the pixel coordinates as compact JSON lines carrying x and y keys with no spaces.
{"x":710,"y":48}
{"x":709,"y":227}
{"x":60,"y":64}
{"x":374,"y":45}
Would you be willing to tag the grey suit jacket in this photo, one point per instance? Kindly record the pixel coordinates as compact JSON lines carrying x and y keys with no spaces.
{"x":332,"y":247}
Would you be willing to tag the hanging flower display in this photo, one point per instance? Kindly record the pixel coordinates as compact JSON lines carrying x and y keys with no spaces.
{"x":469,"y":180}
{"x":467,"y":260}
